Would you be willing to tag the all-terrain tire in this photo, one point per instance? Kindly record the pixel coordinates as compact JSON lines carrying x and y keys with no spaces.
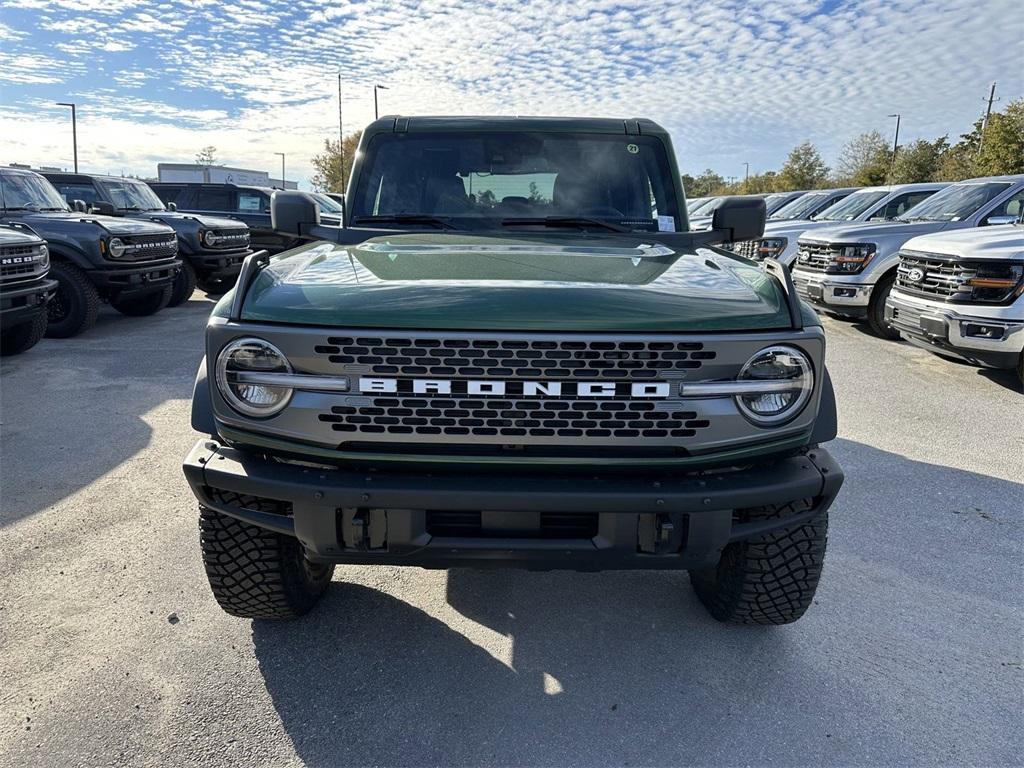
{"x":75,"y":305}
{"x":258,"y":574}
{"x":22,"y":336}
{"x":766,"y":579}
{"x":144,"y":305}
{"x":876,"y":309}
{"x":215,"y":286}
{"x":184,"y":285}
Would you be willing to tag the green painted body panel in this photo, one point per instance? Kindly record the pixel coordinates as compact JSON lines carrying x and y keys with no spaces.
{"x":277,"y":445}
{"x":536,"y":281}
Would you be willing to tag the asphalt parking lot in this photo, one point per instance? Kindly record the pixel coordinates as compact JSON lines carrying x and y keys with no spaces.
{"x":113,"y":652}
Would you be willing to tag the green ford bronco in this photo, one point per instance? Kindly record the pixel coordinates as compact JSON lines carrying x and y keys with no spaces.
{"x":514,"y":352}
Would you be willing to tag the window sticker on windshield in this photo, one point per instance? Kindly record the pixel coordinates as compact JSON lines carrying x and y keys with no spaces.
{"x":632,"y":149}
{"x":666,"y":223}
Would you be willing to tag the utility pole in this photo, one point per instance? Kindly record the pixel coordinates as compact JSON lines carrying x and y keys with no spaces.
{"x":746,"y":173}
{"x":895,"y":144}
{"x":988,"y":113}
{"x":74,"y":129}
{"x":376,"y":112}
{"x":282,"y":168}
{"x":341,"y":137}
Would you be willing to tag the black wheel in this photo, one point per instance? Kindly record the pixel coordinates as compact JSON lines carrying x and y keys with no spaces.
{"x":876,"y":309}
{"x":184,"y":285}
{"x":22,"y":336}
{"x":216,"y":285}
{"x":142,"y":305}
{"x":75,"y":304}
{"x":1020,"y":368}
{"x":258,"y":574}
{"x":767,"y":579}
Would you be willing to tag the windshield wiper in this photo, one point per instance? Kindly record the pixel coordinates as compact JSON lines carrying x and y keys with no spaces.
{"x":405,"y":218}
{"x":576,"y":222}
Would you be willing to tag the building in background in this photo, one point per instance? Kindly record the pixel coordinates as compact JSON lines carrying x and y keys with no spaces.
{"x":193,"y":173}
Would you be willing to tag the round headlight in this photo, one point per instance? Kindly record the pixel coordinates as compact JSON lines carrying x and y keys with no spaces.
{"x":210,"y":237}
{"x":252,"y":356}
{"x":788,"y":380}
{"x":116,"y":247}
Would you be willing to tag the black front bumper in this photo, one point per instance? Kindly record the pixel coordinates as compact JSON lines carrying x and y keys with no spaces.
{"x":22,"y":302}
{"x":577,"y":522}
{"x":214,"y":264}
{"x":138,"y":278}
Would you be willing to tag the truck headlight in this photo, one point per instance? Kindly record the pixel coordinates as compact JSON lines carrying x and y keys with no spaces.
{"x":995,"y":283}
{"x":239,"y":368}
{"x":771,"y":247}
{"x":787,"y":380}
{"x":116,"y":247}
{"x":44,"y":256}
{"x":851,"y":259}
{"x":210,"y":238}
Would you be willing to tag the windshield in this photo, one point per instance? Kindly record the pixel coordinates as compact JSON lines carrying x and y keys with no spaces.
{"x":490,"y":180}
{"x":955,"y":203}
{"x":849,"y":208}
{"x":802,"y":207}
{"x":772,"y":203}
{"x":29,"y":192}
{"x":326,"y":204}
{"x":131,"y":195}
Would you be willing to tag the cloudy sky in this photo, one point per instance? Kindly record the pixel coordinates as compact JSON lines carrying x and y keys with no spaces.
{"x":734,"y":80}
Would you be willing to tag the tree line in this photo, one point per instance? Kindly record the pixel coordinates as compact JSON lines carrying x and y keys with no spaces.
{"x":868,"y":160}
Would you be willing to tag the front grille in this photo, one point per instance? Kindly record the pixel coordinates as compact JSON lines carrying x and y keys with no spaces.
{"x":749,"y":249}
{"x":926,"y":274}
{"x":245,"y":501}
{"x":530,"y":525}
{"x":512,"y":418}
{"x":483,"y":358}
{"x":21,"y":262}
{"x":815,"y":257}
{"x":230,"y":239}
{"x":146,"y":247}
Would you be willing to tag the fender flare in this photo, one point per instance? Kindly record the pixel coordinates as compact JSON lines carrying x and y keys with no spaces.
{"x":202,"y":405}
{"x":68,"y":253}
{"x":826,"y":426}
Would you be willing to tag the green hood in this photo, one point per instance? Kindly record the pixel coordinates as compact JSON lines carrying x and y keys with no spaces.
{"x":519,"y":283}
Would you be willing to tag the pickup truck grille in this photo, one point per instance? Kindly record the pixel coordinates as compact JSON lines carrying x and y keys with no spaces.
{"x":21,"y":262}
{"x":814,"y":257}
{"x":925,"y":274}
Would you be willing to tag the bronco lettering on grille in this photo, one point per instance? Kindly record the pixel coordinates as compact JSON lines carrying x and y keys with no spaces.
{"x":499,"y":388}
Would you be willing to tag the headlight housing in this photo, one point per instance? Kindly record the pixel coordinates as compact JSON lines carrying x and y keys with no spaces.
{"x":209,"y":237}
{"x":244,"y":359}
{"x":788,"y":381}
{"x":116,"y":247}
{"x":771,"y":247}
{"x":995,"y":282}
{"x":850,"y":259}
{"x":44,"y":256}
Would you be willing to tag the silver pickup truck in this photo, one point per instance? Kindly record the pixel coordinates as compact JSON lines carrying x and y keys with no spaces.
{"x":849,"y":271}
{"x":962,"y":294}
{"x":868,"y":204}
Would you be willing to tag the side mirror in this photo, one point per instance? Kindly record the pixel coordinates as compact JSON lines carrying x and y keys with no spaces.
{"x":79,"y":206}
{"x":102,"y":207}
{"x":739,"y":219}
{"x":172,"y":206}
{"x":994,"y":221}
{"x":293,"y":213}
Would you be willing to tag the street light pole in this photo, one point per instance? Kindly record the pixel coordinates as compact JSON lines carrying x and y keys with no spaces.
{"x":895,"y":143}
{"x":746,"y":173}
{"x":74,"y":129}
{"x":341,"y":137}
{"x":376,"y":111}
{"x":282,"y":168}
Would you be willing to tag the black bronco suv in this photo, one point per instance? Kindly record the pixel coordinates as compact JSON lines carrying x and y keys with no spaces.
{"x":514,"y":352}
{"x":211,"y":248}
{"x":24,"y":289}
{"x":128,"y":262}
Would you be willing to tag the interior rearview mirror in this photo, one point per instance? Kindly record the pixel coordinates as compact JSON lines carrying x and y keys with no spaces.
{"x":740,"y":218}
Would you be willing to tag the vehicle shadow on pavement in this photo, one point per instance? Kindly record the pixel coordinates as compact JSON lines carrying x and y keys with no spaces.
{"x":623,"y":668}
{"x":73,"y":410}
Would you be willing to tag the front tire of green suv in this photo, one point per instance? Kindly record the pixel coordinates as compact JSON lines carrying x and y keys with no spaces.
{"x":23,"y":336}
{"x":184,"y":285}
{"x":258,"y":574}
{"x":876,"y":309}
{"x":75,"y":304}
{"x":144,"y":305}
{"x":770,"y":578}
